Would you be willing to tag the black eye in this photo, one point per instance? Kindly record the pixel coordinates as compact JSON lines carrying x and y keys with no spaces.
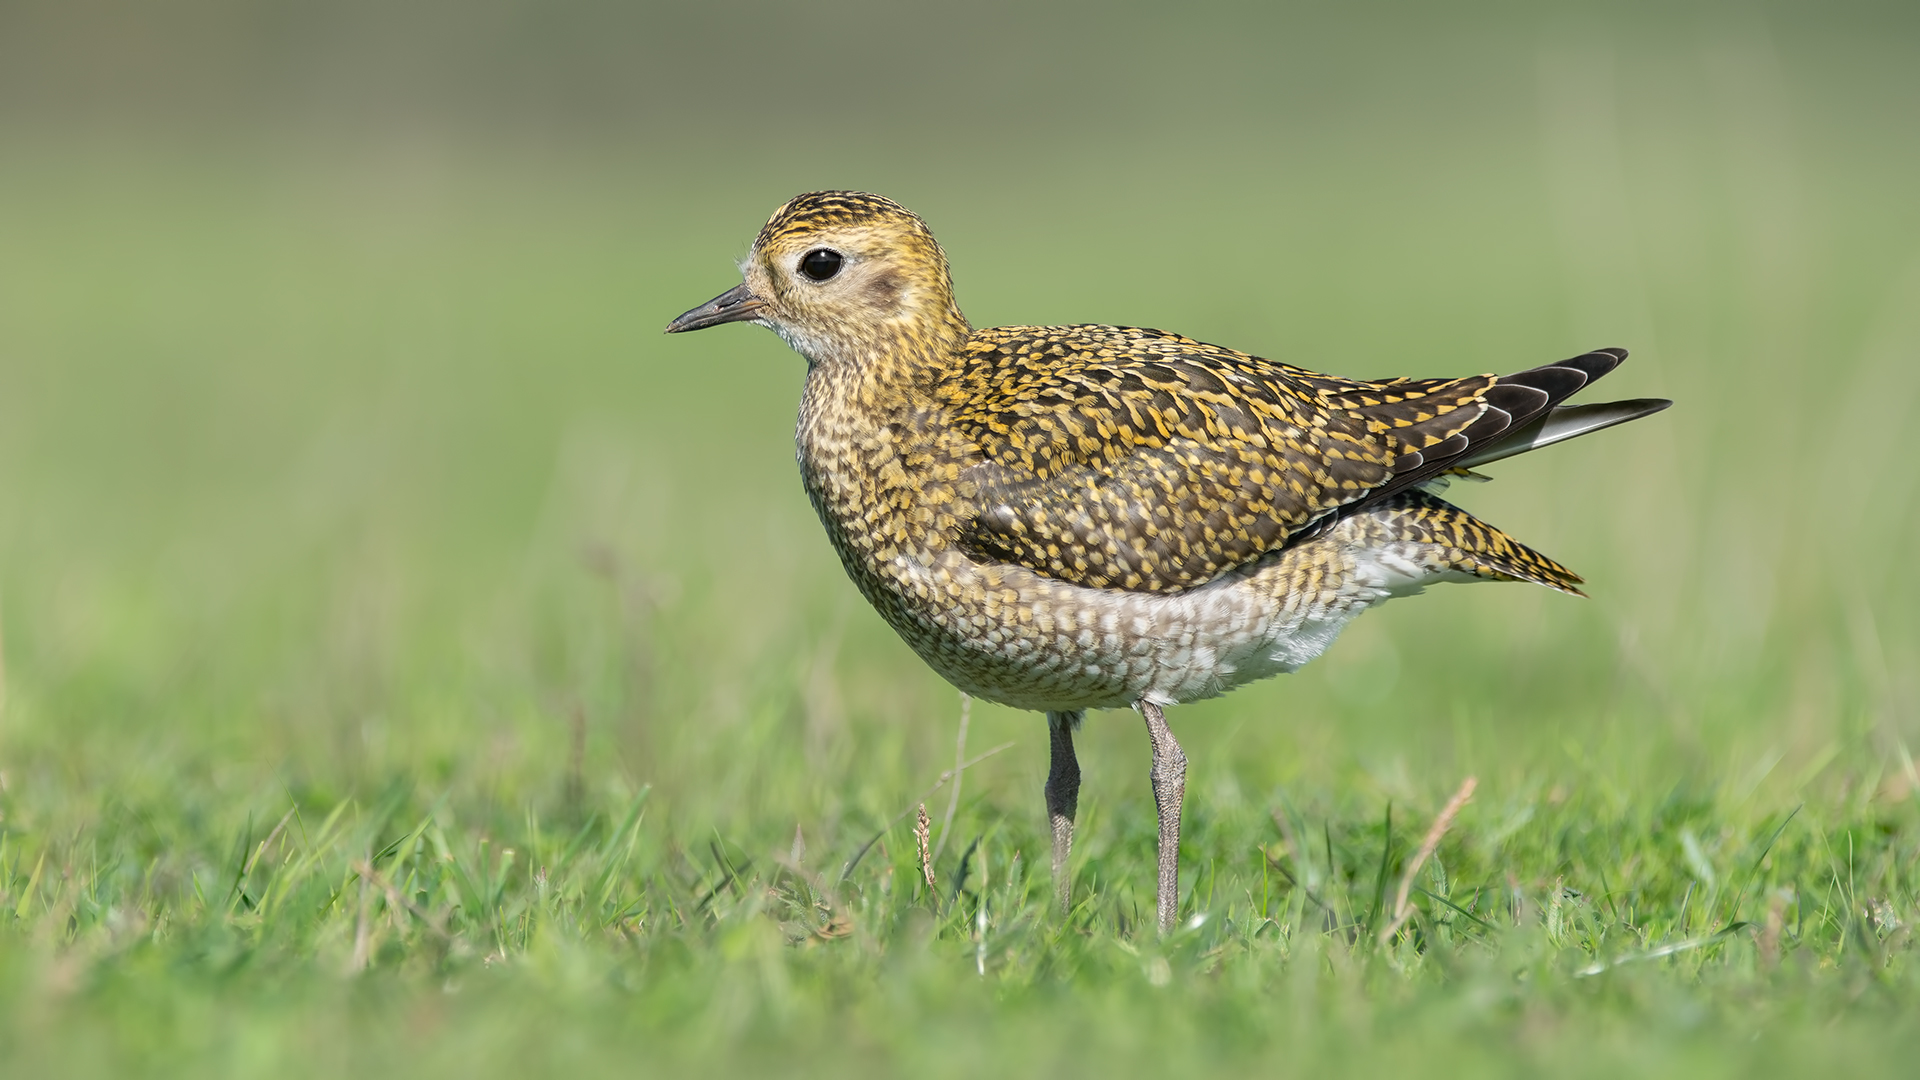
{"x":820,"y":263}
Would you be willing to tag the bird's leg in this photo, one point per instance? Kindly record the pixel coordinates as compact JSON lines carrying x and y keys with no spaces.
{"x":1063,"y":799}
{"x":1169,"y":788}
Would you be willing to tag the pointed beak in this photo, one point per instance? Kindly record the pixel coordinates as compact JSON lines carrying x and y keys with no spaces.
{"x":735,"y":305}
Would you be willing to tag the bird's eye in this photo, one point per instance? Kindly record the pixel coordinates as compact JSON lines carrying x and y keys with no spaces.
{"x":820,"y":263}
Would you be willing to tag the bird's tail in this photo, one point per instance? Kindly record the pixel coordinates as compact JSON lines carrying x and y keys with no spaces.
{"x":1563,"y":422}
{"x":1448,"y":538}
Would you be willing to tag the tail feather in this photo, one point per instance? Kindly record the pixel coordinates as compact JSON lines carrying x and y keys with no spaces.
{"x":1561,"y":423}
{"x":1518,"y":407}
{"x":1456,"y":540}
{"x":1523,"y":412}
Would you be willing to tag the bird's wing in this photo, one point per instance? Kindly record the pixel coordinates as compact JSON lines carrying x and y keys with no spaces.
{"x":1124,"y":458}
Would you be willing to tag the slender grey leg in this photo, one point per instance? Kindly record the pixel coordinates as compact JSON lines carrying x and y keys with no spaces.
{"x":1169,"y":788}
{"x":1063,"y":799}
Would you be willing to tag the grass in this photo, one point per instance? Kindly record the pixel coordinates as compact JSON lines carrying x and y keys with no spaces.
{"x":181,"y":930}
{"x":413,"y":664}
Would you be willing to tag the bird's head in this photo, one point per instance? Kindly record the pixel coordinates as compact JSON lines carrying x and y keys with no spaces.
{"x":840,"y":275}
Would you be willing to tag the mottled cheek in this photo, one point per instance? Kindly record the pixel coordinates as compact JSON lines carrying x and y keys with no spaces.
{"x":884,"y":290}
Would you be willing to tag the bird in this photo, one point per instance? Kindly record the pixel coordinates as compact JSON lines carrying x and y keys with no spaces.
{"x":1067,"y":518}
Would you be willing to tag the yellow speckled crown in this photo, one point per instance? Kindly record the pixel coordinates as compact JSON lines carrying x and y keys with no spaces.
{"x":818,"y":210}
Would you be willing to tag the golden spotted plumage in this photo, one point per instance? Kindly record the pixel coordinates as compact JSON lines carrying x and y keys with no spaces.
{"x":1118,"y":457}
{"x":1072,"y":517}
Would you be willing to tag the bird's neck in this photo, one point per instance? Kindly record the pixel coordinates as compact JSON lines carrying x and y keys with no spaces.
{"x":877,"y":370}
{"x":868,"y":411}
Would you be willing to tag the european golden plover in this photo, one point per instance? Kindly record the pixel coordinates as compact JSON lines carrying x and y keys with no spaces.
{"x":1064,"y":518}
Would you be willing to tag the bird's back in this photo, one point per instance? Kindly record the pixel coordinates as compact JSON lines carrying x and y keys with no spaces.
{"x":1117,"y":457}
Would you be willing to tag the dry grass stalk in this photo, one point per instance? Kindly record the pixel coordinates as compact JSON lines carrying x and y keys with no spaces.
{"x":397,"y":903}
{"x":362,"y":933}
{"x":944,"y":777}
{"x":1402,"y":907}
{"x":922,"y":831}
{"x":268,"y":842}
{"x":1294,"y":850}
{"x":1769,"y":943}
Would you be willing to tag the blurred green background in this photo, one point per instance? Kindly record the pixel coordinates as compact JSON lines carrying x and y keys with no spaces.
{"x":336,"y":428}
{"x":339,"y":442}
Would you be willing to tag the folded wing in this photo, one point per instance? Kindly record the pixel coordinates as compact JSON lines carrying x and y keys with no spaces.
{"x":1116,"y":457}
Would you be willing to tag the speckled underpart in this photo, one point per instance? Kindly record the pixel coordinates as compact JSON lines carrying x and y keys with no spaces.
{"x":1062,"y":518}
{"x":1017,"y":636}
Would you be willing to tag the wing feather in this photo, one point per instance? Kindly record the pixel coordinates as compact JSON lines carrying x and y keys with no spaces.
{"x":1117,"y":457}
